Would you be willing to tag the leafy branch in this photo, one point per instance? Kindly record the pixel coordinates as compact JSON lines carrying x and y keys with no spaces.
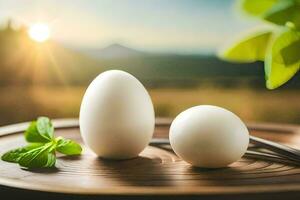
{"x":278,"y":46}
{"x":42,"y":147}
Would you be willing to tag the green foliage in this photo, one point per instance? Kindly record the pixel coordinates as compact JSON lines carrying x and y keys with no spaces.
{"x":68,"y":147}
{"x":16,"y":154}
{"x":279,"y":66}
{"x":40,"y":131}
{"x":257,"y":7}
{"x":45,"y":127}
{"x":250,"y":49}
{"x":283,"y":12}
{"x":41,"y":154}
{"x":39,"y":157}
{"x":290,"y":53}
{"x":279,"y":47}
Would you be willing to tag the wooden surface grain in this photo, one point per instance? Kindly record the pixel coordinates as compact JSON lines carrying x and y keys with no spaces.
{"x":155,"y":172}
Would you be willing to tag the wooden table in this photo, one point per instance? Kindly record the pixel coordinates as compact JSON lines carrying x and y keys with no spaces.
{"x":156,"y":172}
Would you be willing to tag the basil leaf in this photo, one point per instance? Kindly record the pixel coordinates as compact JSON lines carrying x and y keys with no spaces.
{"x":283,"y":12}
{"x":15,"y":154}
{"x":40,"y":131}
{"x":41,"y":153}
{"x":277,"y":72}
{"x":250,"y":49}
{"x":257,"y":7}
{"x":45,"y":127}
{"x":32,"y":134}
{"x":68,"y":147}
{"x":38,"y":157}
{"x":51,"y":160}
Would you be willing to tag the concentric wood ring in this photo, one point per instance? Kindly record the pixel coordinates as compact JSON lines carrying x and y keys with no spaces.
{"x":155,"y":171}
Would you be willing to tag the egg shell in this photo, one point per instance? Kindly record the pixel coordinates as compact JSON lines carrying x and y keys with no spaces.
{"x":209,"y":136}
{"x":116,"y":116}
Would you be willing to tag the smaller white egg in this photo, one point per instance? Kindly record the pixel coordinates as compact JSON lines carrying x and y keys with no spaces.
{"x":209,"y":136}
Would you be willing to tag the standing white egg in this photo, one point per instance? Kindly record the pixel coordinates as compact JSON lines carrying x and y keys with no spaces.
{"x":209,"y":136}
{"x":116,"y":116}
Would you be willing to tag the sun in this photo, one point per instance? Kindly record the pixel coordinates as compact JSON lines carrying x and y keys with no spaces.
{"x":39,"y":32}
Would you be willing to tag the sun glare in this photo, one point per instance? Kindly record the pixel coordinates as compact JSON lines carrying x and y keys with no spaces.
{"x":39,"y":32}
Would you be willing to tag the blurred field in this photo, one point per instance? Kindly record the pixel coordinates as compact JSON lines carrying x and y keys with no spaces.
{"x":26,"y":103}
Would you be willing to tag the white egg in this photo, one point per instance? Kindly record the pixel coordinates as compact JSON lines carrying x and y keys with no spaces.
{"x":116,"y":116}
{"x":209,"y":136}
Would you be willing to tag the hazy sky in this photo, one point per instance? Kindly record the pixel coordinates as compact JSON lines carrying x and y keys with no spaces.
{"x":155,"y":25}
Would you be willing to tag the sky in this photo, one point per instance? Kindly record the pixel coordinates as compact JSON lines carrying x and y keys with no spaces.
{"x":186,"y":26}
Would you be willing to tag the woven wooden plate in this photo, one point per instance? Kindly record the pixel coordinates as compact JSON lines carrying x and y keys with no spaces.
{"x":154,"y":172}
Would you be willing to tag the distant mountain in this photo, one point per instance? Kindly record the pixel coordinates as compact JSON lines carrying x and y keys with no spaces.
{"x":179,"y":70}
{"x":114,"y":51}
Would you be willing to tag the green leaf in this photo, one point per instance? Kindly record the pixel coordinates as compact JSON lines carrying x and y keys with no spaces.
{"x":15,"y":154}
{"x":41,"y":153}
{"x":250,"y":49}
{"x":257,"y":7}
{"x":291,"y":53}
{"x":283,"y":12}
{"x":51,"y":160}
{"x":32,"y":134}
{"x":39,"y":157}
{"x":68,"y":147}
{"x":45,"y":127}
{"x":277,"y":72}
{"x":40,"y":131}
